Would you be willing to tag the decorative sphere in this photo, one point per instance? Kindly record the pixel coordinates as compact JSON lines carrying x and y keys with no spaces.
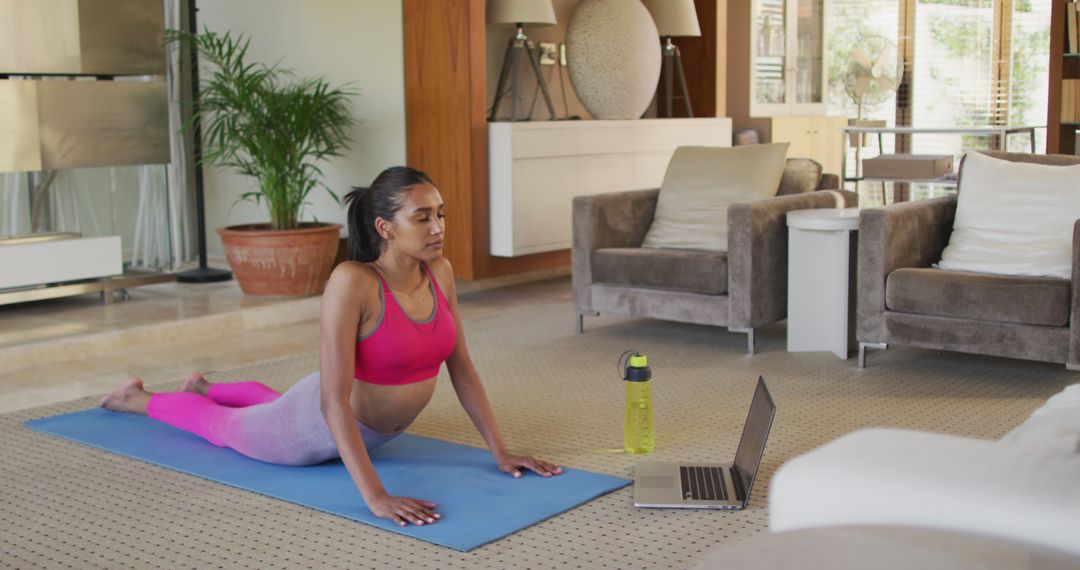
{"x":613,"y":57}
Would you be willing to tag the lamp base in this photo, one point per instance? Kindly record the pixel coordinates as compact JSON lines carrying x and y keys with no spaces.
{"x":672,"y":71}
{"x":203,"y":275}
{"x":511,"y":70}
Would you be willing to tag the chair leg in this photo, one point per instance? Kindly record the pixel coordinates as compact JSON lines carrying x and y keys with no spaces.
{"x":581,"y":322}
{"x":863,"y":346}
{"x":749,"y":338}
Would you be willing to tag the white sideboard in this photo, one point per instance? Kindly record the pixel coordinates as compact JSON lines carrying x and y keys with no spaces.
{"x":536,"y":168}
{"x":59,"y":260}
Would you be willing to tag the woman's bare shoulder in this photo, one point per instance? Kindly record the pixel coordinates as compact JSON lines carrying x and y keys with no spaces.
{"x":351,"y":278}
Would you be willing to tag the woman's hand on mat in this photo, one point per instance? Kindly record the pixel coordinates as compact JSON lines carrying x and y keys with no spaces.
{"x":404,"y":510}
{"x":512,"y":464}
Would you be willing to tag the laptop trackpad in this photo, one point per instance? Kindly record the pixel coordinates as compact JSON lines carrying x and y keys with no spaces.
{"x":654,"y":482}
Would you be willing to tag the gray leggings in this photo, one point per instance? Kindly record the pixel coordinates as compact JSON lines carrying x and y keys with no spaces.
{"x":249,"y":417}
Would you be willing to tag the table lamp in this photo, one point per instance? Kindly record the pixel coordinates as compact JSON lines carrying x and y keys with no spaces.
{"x":674,"y":18}
{"x":519,"y":13}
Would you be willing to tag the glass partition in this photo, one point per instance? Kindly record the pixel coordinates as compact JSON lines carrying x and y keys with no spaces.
{"x":810,"y":30}
{"x":128,"y":201}
{"x":770,"y":52}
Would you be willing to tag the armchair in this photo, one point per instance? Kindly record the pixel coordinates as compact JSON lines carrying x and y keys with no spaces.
{"x":741,"y":289}
{"x":903,"y":300}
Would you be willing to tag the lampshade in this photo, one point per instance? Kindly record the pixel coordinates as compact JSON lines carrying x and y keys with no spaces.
{"x":674,"y":17}
{"x":535,"y":12}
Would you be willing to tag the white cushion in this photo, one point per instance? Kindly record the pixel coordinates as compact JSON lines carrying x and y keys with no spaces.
{"x":1014,"y":218}
{"x":896,"y":477}
{"x":1055,"y":423}
{"x":699,"y":185}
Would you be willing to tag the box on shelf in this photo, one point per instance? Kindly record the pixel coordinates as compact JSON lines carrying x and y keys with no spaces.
{"x":908,"y":166}
{"x":860,"y":139}
{"x":1070,"y":101}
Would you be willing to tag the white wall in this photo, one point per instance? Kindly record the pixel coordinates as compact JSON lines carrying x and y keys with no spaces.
{"x":357,"y":41}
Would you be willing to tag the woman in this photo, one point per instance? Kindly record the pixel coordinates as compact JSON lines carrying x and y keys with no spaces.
{"x":387,"y":327}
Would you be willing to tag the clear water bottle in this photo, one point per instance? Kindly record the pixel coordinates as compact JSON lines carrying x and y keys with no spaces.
{"x":638,"y":433}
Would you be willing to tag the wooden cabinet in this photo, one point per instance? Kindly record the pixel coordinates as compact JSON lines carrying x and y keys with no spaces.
{"x":1060,"y":130}
{"x":536,"y":169}
{"x":816,"y":137}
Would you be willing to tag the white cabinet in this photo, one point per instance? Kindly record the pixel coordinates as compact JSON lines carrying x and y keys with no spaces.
{"x":816,"y":137}
{"x":38,"y":260}
{"x":536,"y":168}
{"x":787,"y":57}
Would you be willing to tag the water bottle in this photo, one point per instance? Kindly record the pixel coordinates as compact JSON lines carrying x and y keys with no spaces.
{"x":638,"y":433}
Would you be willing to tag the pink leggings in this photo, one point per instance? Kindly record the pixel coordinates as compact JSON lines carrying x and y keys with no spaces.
{"x":253,"y":419}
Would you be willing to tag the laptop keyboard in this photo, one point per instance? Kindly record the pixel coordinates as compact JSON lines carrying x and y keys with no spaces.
{"x":703,"y":483}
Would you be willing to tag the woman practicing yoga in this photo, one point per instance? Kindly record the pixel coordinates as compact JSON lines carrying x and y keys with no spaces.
{"x":387,"y":327}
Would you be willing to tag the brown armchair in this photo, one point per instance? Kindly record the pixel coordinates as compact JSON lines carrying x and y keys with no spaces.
{"x":903,"y":300}
{"x":741,"y":289}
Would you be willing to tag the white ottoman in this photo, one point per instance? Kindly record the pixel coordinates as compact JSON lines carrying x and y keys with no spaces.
{"x":1025,"y":487}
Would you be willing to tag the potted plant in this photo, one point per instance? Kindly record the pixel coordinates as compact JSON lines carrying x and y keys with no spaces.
{"x":262,"y":122}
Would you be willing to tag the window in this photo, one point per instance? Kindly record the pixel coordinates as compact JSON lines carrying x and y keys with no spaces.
{"x":971,"y":63}
{"x":1029,"y":76}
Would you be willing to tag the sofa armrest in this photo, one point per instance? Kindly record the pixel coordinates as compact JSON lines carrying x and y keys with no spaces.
{"x":851,"y":199}
{"x":832,"y":182}
{"x":911,"y":234}
{"x":757,"y":255}
{"x":614,"y":219}
{"x":829,"y":182}
{"x":899,"y":477}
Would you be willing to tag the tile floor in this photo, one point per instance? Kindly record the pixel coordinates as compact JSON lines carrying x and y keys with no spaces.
{"x":57,"y":350}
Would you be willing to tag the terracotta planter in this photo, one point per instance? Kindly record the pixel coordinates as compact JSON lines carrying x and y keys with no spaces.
{"x":281,"y":262}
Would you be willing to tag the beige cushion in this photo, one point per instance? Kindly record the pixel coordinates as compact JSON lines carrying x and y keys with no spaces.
{"x":801,"y":175}
{"x":688,"y":270}
{"x":1014,"y":218}
{"x":1042,"y":301}
{"x":700,"y":184}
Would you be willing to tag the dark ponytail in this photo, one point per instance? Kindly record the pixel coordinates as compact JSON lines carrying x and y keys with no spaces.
{"x":382,"y":199}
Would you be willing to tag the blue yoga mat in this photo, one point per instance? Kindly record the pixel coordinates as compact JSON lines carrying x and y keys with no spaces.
{"x":478,"y":503}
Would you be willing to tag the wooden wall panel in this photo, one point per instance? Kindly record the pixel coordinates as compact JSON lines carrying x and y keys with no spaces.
{"x":1059,"y":138}
{"x":438,"y":107}
{"x":1057,"y":47}
{"x":446,"y":128}
{"x":699,"y":56}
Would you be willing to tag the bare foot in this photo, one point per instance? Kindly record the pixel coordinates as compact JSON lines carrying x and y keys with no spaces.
{"x":131,"y":397}
{"x":195,"y":383}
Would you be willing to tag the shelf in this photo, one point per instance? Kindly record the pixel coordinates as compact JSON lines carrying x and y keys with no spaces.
{"x":940,"y":180}
{"x":105,"y":285}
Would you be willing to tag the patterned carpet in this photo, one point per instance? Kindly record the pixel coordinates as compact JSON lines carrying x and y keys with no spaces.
{"x":557,"y":395}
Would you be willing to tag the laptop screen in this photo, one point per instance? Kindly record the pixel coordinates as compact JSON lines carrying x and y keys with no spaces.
{"x":756,"y":431}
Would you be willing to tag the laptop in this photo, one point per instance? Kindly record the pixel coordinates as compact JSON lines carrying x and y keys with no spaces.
{"x":715,"y":486}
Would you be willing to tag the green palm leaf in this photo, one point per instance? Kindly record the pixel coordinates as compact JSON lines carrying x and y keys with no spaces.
{"x":259,"y":121}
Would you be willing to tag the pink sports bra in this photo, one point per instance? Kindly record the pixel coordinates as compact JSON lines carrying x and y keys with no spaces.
{"x":400,"y":350}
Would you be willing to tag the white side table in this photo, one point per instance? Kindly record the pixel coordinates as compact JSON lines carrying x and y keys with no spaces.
{"x":821,"y":277}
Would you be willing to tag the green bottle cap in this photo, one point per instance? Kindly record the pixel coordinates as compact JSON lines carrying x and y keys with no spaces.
{"x":638,"y":361}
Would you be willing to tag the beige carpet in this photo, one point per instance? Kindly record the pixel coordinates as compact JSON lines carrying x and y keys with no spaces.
{"x":556,"y":395}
